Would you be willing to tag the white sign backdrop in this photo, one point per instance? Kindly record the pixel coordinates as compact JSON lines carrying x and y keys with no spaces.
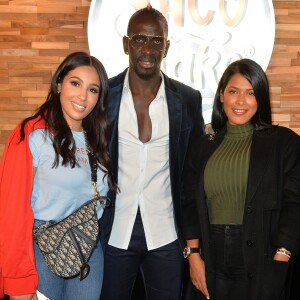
{"x":205,"y":36}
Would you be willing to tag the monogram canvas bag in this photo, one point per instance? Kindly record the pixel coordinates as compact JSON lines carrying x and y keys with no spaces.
{"x":67,"y":245}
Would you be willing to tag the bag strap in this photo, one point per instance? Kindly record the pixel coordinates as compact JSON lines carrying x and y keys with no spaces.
{"x":93,"y":166}
{"x":104,"y":201}
{"x":92,"y":161}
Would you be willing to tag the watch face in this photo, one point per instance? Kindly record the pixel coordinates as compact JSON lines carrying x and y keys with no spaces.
{"x":186,"y":252}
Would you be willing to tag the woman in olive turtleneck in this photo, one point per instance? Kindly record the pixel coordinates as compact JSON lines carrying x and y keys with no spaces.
{"x":241,"y":195}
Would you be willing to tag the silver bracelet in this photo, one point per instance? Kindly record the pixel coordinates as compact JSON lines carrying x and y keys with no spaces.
{"x":284,"y":251}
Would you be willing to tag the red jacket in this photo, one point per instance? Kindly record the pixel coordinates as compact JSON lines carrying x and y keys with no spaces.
{"x":18,"y":274}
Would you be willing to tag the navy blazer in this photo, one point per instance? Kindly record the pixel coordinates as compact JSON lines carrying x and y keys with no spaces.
{"x":185,"y":122}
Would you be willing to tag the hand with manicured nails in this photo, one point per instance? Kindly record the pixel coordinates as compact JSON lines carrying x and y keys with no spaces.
{"x":197,"y":273}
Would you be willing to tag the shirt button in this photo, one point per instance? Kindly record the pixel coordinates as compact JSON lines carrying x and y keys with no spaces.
{"x":249,"y":210}
{"x":250,"y":275}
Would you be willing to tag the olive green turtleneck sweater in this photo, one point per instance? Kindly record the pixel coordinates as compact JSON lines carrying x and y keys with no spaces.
{"x":226,"y":174}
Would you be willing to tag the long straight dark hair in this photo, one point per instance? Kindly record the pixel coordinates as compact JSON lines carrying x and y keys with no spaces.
{"x":253,"y":72}
{"x":95,"y":124}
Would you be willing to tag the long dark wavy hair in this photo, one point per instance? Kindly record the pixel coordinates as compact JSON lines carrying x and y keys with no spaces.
{"x":95,"y":124}
{"x":253,"y":72}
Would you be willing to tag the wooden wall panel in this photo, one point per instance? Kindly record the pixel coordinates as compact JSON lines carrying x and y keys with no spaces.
{"x":35,"y":35}
{"x":284,"y":68}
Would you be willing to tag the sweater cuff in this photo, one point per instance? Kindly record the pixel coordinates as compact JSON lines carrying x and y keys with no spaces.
{"x":20,"y":286}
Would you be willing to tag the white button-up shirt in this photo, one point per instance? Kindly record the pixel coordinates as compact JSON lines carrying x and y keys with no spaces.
{"x":144,"y":175}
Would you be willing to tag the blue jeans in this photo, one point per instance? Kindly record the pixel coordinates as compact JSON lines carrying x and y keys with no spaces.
{"x":230,"y":270}
{"x":58,"y":288}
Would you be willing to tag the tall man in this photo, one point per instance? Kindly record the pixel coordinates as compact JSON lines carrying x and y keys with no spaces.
{"x":153,"y":118}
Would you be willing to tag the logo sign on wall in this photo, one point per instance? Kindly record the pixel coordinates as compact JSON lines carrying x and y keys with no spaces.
{"x":205,"y":36}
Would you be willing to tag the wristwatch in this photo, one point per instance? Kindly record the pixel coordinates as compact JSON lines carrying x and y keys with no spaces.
{"x":187,"y":251}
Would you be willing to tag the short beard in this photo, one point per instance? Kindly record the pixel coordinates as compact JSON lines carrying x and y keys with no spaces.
{"x":144,"y":76}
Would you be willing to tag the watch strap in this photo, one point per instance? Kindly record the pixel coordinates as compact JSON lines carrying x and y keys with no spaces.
{"x":189,"y":250}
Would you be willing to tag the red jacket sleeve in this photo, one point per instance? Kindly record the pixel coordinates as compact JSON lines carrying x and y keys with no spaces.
{"x":18,"y":273}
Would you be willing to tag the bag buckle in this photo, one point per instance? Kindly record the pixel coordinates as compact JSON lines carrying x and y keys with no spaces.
{"x":84,"y":271}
